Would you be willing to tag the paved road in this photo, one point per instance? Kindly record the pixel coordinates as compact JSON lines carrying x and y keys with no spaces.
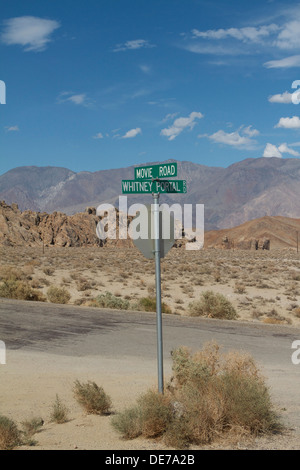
{"x":77,"y":331}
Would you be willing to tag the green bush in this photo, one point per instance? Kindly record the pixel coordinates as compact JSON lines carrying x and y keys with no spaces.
{"x":10,"y":436}
{"x":108,"y":300}
{"x":58,"y":295}
{"x":92,"y":398}
{"x":212,"y":305}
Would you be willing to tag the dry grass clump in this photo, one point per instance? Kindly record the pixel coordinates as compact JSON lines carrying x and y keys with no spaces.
{"x":32,"y":426}
{"x":212,"y":305}
{"x":59,"y":413}
{"x":58,"y":295}
{"x":149,"y":417}
{"x":14,"y":285}
{"x":211,"y":395}
{"x":109,"y":300}
{"x":10,"y":436}
{"x":148,"y":304}
{"x":92,"y":398}
{"x":19,"y":290}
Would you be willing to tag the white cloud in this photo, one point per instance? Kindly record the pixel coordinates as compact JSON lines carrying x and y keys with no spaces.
{"x":28,"y":31}
{"x":287,"y":62}
{"x":235,"y":139}
{"x":11,"y":128}
{"x":285,"y":98}
{"x":250,"y":131}
{"x":132,"y":133}
{"x":180,"y":124}
{"x":241,"y":138}
{"x":77,"y":99}
{"x":282,"y":36}
{"x":283,"y":148}
{"x":247,"y":34}
{"x":133,"y":45}
{"x":289,"y":123}
{"x":145,"y":69}
{"x":273,"y":151}
{"x":289,"y":36}
{"x":98,"y":136}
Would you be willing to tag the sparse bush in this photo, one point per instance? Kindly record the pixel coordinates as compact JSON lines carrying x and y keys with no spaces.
{"x":19,"y":290}
{"x":239,"y":288}
{"x":48,"y":271}
{"x":148,"y":304}
{"x":32,"y":426}
{"x":128,"y":423}
{"x":296,"y":312}
{"x":59,"y":412}
{"x":108,"y":300}
{"x":221,"y":392}
{"x":148,"y":418}
{"x":58,"y":295}
{"x":92,"y":398}
{"x":213,"y":306}
{"x":210,"y":395}
{"x":10,"y":436}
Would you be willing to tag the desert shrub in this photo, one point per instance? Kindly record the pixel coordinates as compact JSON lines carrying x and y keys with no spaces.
{"x":83,"y":284}
{"x":32,"y":426}
{"x":9,"y":272}
{"x":108,"y":300}
{"x":148,"y":304}
{"x":213,"y":306}
{"x":210,"y":395}
{"x":19,"y":290}
{"x":92,"y":398}
{"x":58,"y":295}
{"x":148,"y":418}
{"x":10,"y":436}
{"x":48,"y":271}
{"x":59,"y":413}
{"x":296,"y":312}
{"x":221,"y":392}
{"x":128,"y":423}
{"x":239,"y":288}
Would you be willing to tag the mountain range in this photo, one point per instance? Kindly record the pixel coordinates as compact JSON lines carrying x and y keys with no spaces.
{"x":249,"y":189}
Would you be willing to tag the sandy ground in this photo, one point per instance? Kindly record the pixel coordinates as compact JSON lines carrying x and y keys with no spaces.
{"x":263,"y":286}
{"x":30,"y":384}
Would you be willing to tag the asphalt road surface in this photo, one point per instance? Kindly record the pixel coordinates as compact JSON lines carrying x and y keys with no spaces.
{"x":78,"y":332}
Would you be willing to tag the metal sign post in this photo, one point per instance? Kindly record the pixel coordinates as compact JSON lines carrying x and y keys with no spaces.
{"x":158,"y":292}
{"x":148,"y":181}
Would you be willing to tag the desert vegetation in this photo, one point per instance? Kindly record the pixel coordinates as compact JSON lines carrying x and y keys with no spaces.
{"x":210,"y":395}
{"x":260,"y":286}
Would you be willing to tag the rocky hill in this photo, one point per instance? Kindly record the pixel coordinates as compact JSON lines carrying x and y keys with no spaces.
{"x":250,"y":189}
{"x":264,"y":233}
{"x":58,"y":229}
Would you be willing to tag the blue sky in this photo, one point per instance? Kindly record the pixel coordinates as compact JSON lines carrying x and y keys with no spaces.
{"x":106,"y":84}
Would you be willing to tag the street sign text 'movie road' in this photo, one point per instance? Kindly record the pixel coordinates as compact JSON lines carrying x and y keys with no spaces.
{"x":149,"y":187}
{"x":167,"y":170}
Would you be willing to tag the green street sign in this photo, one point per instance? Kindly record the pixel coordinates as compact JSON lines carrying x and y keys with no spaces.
{"x":165,"y":170}
{"x":149,"y":187}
